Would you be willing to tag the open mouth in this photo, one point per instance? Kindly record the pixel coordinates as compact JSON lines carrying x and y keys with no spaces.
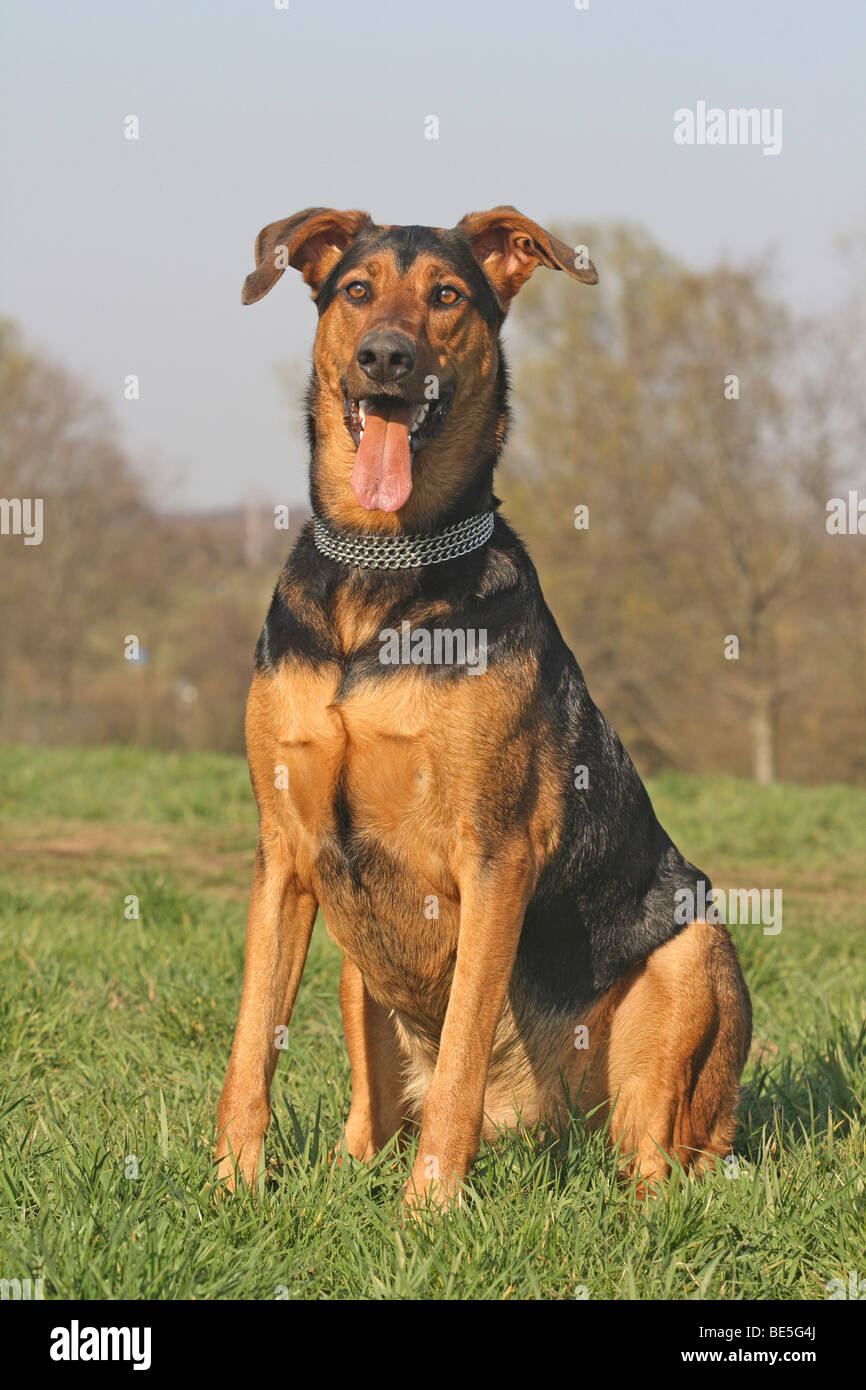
{"x":425,"y":421}
{"x":388,"y":431}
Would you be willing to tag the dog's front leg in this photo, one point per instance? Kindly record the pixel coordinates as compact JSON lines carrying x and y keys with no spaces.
{"x":494,"y":895}
{"x":279,"y":926}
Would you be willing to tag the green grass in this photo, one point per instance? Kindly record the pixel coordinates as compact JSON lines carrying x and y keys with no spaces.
{"x":115,"y":1034}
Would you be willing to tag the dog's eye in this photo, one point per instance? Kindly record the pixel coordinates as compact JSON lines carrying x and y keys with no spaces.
{"x":447,"y":295}
{"x":356,"y":290}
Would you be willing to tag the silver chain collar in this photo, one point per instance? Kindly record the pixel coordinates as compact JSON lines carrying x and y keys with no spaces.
{"x":402,"y":552}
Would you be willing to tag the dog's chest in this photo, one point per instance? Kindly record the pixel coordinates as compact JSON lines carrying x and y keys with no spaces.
{"x":366,"y":763}
{"x":370,"y":789}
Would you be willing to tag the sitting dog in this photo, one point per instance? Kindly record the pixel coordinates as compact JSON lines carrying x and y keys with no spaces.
{"x":510,"y":932}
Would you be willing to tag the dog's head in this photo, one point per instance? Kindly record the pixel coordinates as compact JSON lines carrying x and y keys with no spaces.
{"x":408,"y":393}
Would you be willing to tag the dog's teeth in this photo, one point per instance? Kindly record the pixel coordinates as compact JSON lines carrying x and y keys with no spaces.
{"x":420,"y":417}
{"x":362,"y":410}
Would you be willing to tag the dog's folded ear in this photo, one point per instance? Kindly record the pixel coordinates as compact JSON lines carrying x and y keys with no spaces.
{"x":509,"y":247}
{"x":312,"y":241}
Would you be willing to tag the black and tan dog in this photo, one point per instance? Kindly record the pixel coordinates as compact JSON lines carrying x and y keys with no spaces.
{"x":510,"y":935}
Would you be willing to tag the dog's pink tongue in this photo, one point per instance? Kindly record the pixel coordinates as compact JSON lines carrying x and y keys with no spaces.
{"x":382,"y":476}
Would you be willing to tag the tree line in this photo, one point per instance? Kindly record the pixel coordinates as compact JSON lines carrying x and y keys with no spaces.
{"x":678,"y":440}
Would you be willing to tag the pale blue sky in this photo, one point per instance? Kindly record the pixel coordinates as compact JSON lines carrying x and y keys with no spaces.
{"x":127,"y":256}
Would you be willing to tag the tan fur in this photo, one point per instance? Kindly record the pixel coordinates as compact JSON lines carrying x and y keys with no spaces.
{"x":379,"y":1109}
{"x":655,"y":1039}
{"x":665,"y":1050}
{"x":280,"y":923}
{"x":669,"y":1054}
{"x":387,"y":741}
{"x":442,"y":341}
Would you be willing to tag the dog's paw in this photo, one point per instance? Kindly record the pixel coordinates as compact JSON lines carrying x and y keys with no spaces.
{"x":423,"y":1196}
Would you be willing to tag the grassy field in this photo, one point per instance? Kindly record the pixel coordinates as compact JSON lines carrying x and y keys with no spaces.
{"x":115,"y":1034}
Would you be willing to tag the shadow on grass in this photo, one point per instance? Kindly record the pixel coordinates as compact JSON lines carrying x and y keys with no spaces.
{"x":806,"y":1095}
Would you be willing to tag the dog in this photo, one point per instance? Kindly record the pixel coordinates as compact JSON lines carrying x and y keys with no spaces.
{"x":511,"y":936}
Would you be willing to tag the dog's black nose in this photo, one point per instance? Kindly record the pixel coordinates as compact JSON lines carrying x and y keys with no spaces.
{"x":385,"y":355}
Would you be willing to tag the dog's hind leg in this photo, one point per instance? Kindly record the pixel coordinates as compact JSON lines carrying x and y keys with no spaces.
{"x":377,"y":1062}
{"x":279,"y":927}
{"x":672,"y":1048}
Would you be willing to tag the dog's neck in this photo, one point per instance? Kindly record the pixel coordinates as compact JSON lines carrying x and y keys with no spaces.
{"x":453,"y":475}
{"x":373,"y":551}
